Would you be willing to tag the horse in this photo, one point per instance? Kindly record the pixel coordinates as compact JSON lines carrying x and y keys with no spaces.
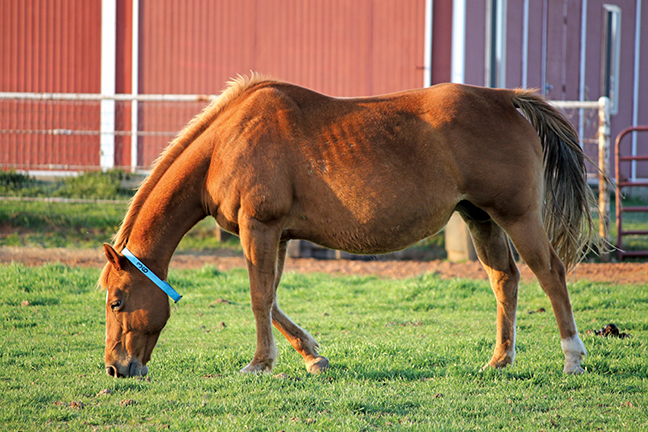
{"x":272,"y":162}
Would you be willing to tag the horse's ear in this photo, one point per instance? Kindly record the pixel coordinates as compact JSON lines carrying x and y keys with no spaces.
{"x":112,"y":256}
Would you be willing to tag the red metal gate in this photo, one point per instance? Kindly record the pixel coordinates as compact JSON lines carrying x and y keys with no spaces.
{"x":622,"y":182}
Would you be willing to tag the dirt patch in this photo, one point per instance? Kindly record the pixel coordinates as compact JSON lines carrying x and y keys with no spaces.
{"x":619,"y":273}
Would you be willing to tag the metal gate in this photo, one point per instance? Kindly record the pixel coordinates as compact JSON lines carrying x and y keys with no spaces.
{"x":627,"y":182}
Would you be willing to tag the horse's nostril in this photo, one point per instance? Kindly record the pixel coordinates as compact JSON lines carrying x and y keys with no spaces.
{"x":111,"y":370}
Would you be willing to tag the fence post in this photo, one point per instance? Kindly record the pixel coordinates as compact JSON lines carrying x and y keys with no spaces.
{"x":604,"y":172}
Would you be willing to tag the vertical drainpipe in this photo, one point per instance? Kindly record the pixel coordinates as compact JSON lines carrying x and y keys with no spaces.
{"x":457,"y":71}
{"x":635,"y":88}
{"x":427,"y":56}
{"x":134,"y":85}
{"x":108,"y":71}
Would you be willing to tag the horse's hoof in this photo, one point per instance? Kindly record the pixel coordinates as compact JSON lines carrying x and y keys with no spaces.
{"x":318,"y":365}
{"x":573,"y":370}
{"x":485,"y":367}
{"x":257,"y":368}
{"x":495,"y":366}
{"x":498,"y":363}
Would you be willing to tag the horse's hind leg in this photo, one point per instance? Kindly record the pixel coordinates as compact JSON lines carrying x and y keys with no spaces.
{"x":534,"y":248}
{"x":494,"y":252}
{"x":303,"y":342}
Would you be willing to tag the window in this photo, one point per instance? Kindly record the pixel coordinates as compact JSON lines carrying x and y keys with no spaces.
{"x":611,"y":55}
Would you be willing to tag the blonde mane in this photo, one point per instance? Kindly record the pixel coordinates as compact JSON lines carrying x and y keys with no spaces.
{"x":194,"y":128}
{"x":188,"y":135}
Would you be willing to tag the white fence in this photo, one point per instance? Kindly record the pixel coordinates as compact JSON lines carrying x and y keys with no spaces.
{"x":30,"y":122}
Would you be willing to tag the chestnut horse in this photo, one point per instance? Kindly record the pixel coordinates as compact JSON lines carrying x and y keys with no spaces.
{"x":273,"y":162}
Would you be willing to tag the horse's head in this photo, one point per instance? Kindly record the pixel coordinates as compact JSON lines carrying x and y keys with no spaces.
{"x":136,"y":312}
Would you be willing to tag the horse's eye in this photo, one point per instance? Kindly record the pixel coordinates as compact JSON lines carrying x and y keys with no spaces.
{"x":116,"y":305}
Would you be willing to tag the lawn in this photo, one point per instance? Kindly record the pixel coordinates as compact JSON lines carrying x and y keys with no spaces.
{"x":405,"y":355}
{"x":86,"y":225}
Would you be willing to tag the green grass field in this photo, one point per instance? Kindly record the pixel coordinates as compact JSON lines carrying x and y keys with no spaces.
{"x":405,"y":355}
{"x":81,"y":225}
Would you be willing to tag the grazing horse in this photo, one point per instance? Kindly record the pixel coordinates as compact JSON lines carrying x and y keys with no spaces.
{"x":271,"y":162}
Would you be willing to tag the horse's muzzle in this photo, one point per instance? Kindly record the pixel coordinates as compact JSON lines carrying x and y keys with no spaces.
{"x":133,"y":369}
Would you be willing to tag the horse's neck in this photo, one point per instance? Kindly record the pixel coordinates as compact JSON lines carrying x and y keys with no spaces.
{"x":172,"y":208}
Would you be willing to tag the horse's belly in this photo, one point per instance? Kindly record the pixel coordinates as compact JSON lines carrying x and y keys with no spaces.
{"x":370,"y":236}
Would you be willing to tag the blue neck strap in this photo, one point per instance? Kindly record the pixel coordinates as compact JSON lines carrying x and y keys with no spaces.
{"x":164,"y":286}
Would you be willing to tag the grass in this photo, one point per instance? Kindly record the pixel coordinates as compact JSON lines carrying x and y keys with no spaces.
{"x":89,"y":185}
{"x":404,"y":355}
{"x":79,"y":225}
{"x":49,"y":224}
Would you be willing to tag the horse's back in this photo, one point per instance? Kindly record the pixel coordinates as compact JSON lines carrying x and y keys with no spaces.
{"x":354,"y":173}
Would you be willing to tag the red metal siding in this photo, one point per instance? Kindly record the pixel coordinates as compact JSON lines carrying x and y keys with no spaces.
{"x":338,"y":47}
{"x":343,"y":48}
{"x":397,"y":45}
{"x":335,"y":46}
{"x":49,"y":46}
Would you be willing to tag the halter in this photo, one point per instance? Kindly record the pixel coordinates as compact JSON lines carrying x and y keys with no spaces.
{"x":163,"y":285}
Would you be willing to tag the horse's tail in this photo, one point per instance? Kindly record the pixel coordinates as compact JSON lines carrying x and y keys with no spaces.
{"x":567,"y":197}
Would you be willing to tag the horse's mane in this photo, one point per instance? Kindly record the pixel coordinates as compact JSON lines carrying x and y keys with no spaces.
{"x":194,"y":128}
{"x":188,"y":135}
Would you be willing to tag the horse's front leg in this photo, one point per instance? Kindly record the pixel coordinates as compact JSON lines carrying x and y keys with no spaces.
{"x":260,"y":243}
{"x":300,"y":339}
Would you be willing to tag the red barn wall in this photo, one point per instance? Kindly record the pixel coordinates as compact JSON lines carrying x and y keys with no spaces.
{"x":49,"y":46}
